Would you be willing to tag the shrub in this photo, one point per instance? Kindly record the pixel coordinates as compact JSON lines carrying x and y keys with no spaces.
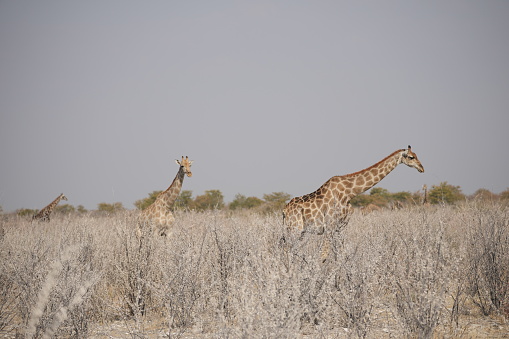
{"x":488,"y":258}
{"x":413,"y":272}
{"x":445,"y":194}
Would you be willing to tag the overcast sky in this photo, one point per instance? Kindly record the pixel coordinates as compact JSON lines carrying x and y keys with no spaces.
{"x":98,"y":98}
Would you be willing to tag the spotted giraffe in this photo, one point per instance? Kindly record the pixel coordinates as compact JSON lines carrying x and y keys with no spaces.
{"x":44,"y":214}
{"x":330,"y":204}
{"x":159,"y":214}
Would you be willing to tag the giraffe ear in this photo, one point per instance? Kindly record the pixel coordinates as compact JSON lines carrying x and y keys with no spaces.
{"x":178,"y":162}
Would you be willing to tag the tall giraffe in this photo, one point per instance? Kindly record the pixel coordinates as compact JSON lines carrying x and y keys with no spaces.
{"x":44,"y":214}
{"x":159,"y":214}
{"x":331,"y":202}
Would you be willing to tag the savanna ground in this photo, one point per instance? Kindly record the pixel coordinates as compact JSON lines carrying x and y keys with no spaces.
{"x":419,"y":272}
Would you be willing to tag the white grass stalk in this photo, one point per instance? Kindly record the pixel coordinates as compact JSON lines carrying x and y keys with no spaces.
{"x":43,"y":297}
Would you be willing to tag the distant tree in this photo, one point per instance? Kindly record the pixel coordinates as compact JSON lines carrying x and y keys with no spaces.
{"x":185,"y":200}
{"x":25,"y":212}
{"x":402,"y":196}
{"x":445,"y":193}
{"x":237,"y":202}
{"x":362,"y":200}
{"x":212,"y":199}
{"x":380,"y":196}
{"x":65,"y":209}
{"x":110,"y":208}
{"x":504,"y":195}
{"x":81,"y":209}
{"x":146,"y":202}
{"x":382,"y":192}
{"x":275,"y":201}
{"x":484,"y":194}
{"x":253,"y":202}
{"x":241,"y":202}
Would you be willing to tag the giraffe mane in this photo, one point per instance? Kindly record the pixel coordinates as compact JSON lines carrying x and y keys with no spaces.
{"x":370,"y":167}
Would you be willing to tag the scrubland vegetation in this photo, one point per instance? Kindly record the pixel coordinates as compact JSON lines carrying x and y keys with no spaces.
{"x":419,"y":272}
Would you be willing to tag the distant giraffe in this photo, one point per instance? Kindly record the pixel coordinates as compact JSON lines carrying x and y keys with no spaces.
{"x":331,"y":202}
{"x":159,"y":214}
{"x":44,"y":214}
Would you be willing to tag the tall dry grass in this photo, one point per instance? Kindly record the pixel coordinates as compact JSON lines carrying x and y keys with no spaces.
{"x":416,"y":272}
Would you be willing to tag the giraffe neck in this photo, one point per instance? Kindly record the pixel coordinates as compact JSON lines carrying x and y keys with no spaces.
{"x":171,"y":194}
{"x":55,"y":202}
{"x":369,"y":177}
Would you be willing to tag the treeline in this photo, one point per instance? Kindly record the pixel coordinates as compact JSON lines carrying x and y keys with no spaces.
{"x":214,"y":199}
{"x":442,"y":194}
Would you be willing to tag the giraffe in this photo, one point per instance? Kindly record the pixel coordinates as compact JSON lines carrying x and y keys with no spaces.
{"x":331,"y":202}
{"x":43,"y":214}
{"x":159,"y":214}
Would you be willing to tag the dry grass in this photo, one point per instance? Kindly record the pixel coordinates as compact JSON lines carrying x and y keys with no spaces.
{"x":416,"y":272}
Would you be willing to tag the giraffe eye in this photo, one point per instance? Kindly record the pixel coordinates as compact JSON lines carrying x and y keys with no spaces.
{"x":411,"y":157}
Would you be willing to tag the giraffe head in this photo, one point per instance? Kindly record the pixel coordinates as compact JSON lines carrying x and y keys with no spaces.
{"x":185,"y":163}
{"x":409,"y":158}
{"x":63,"y":197}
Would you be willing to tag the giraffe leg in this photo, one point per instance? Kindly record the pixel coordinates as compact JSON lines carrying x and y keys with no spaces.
{"x":342,"y":217}
{"x":336,"y":222}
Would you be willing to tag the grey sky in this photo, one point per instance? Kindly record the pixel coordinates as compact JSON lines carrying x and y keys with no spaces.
{"x":97,"y":98}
